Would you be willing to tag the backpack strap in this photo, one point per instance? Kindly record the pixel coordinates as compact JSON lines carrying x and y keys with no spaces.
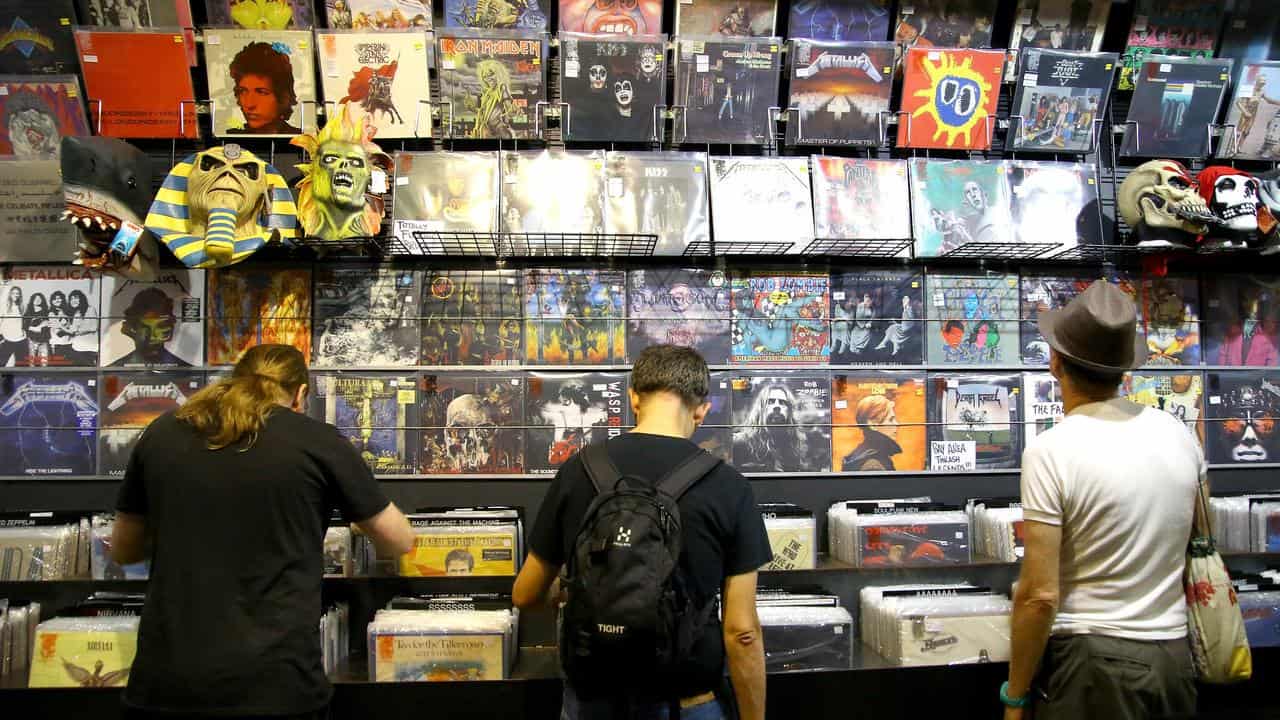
{"x":600,"y":468}
{"x":683,"y":476}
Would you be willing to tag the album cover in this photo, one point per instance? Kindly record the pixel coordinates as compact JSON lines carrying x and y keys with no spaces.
{"x":879,"y":421}
{"x":1055,"y":202}
{"x":1058,"y":25}
{"x":444,"y":192}
{"x":110,"y":61}
{"x":50,"y":315}
{"x":472,"y":317}
{"x":715,"y":434}
{"x":130,"y":401}
{"x":839,"y":91}
{"x":491,"y":83}
{"x":780,"y":318}
{"x":262,"y":83}
{"x":978,"y":410}
{"x":1250,"y":32}
{"x":260,"y":15}
{"x":35,"y":37}
{"x":154,"y":323}
{"x":949,"y":98}
{"x":378,"y":14}
{"x":957,"y":202}
{"x":840,"y":20}
{"x":688,"y":307}
{"x":568,"y":411}
{"x":366,"y":316}
{"x":658,"y":193}
{"x":524,"y":15}
{"x":1253,"y":125}
{"x":1179,"y":394}
{"x":613,"y":85}
{"x":473,"y":423}
{"x":1042,"y":406}
{"x":83,"y":652}
{"x":945,"y":23}
{"x":442,"y":548}
{"x":1241,"y":409}
{"x":48,"y":424}
{"x":36,"y":111}
{"x":1185,"y":28}
{"x":1038,"y":294}
{"x":437,"y":654}
{"x":378,"y":75}
{"x":793,"y":537}
{"x":761,"y":200}
{"x":877,"y":317}
{"x":552,"y":191}
{"x":736,"y":18}
{"x":913,"y":542}
{"x":374,"y":411}
{"x":31,"y":207}
{"x":1175,"y":100}
{"x":860,"y":198}
{"x":574,"y":317}
{"x":973,"y":319}
{"x":1242,"y":320}
{"x":255,"y":304}
{"x":1060,"y":98}
{"x":782,"y":421}
{"x":1169,"y":313}
{"x":726,"y":88}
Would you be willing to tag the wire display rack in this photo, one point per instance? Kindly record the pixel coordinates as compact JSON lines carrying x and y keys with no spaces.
{"x":505,"y":245}
{"x":738,"y":247}
{"x":1000,"y":251}
{"x":860,"y":248}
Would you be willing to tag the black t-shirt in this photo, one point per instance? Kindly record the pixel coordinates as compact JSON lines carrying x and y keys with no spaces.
{"x":723,"y":535}
{"x":231,"y":622}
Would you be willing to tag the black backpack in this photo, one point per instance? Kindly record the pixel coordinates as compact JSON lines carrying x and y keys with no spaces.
{"x":629,"y":617}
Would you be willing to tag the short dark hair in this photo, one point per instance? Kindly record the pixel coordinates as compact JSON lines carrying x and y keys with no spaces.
{"x":460,"y":555}
{"x":260,"y":58}
{"x":674,"y":369}
{"x":1094,"y":383}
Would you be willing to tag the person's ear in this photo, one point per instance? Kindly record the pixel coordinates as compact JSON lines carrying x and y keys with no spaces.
{"x":1055,"y":364}
{"x":700,"y":413}
{"x":634,"y":397}
{"x":300,"y":398}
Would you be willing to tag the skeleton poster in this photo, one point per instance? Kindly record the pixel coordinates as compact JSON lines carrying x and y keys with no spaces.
{"x":473,"y":423}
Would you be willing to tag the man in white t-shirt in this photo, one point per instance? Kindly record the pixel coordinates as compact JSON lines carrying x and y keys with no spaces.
{"x":1108,"y":496}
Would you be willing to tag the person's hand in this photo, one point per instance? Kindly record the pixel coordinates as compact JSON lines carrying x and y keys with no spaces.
{"x":1014,"y":713}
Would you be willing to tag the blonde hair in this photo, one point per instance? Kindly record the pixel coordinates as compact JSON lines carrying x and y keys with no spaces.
{"x":872,"y":410}
{"x":234,"y":409}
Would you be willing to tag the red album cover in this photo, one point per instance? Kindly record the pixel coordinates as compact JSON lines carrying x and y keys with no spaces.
{"x":949,"y":98}
{"x":117,"y":63}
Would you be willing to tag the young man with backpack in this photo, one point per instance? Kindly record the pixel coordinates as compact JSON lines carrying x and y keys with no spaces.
{"x":648,"y":529}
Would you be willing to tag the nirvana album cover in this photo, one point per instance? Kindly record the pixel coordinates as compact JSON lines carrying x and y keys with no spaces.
{"x":957,"y":202}
{"x":840,"y":20}
{"x":552,"y":191}
{"x":110,"y":62}
{"x":877,"y":317}
{"x":1073,"y":25}
{"x":980,"y":411}
{"x":945,"y":23}
{"x":1042,"y":406}
{"x":491,"y":83}
{"x":50,"y":315}
{"x":912,"y":542}
{"x":1242,"y":320}
{"x":575,"y":317}
{"x":973,"y":319}
{"x":949,"y":98}
{"x":446,"y":192}
{"x":761,"y":200}
{"x":1169,"y":313}
{"x":839,"y":90}
{"x":48,"y":424}
{"x":1175,"y":100}
{"x":782,"y":421}
{"x":473,"y":423}
{"x":1179,"y":394}
{"x":37,"y":111}
{"x":254,"y":305}
{"x":31,"y":207}
{"x":35,"y":37}
{"x":366,"y":316}
{"x":658,"y":193}
{"x":130,"y":401}
{"x":442,"y":548}
{"x":1184,"y":28}
{"x":860,"y":198}
{"x":878,"y":421}
{"x":262,"y":83}
{"x":76,"y":653}
{"x":1040,"y":293}
{"x":378,"y":76}
{"x":780,"y":318}
{"x":726,"y":88}
{"x":1054,"y":202}
{"x":154,"y":323}
{"x":1252,"y":113}
{"x":613,"y":86}
{"x":611,"y":17}
{"x":378,"y":14}
{"x":524,"y":15}
{"x":373,"y":411}
{"x":1059,"y":97}
{"x":472,"y":317}
{"x":1241,"y":411}
{"x":688,"y":307}
{"x":261,"y":14}
{"x":568,"y":411}
{"x":730,"y":18}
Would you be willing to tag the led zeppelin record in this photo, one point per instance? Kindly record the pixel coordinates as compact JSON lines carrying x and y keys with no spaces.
{"x":378,"y":14}
{"x":473,"y":423}
{"x":524,"y":15}
{"x":731,"y":18}
{"x":1181,"y":394}
{"x":373,"y":411}
{"x":1175,"y":100}
{"x":949,"y":98}
{"x":262,"y":83}
{"x":1169,"y":314}
{"x":50,"y":315}
{"x":877,"y":317}
{"x":658,"y":193}
{"x":978,"y":410}
{"x":1041,"y":404}
{"x":1242,"y":320}
{"x":780,"y":318}
{"x":31,"y":207}
{"x":491,"y":83}
{"x":973,"y":319}
{"x":366,"y":317}
{"x":1185,"y":28}
{"x":726,"y":88}
{"x":110,"y":62}
{"x":36,"y":111}
{"x":1241,"y":409}
{"x":782,"y":421}
{"x":679,"y":307}
{"x":154,"y":323}
{"x":1055,"y":203}
{"x":613,"y":86}
{"x":839,"y":91}
{"x":611,"y":17}
{"x":252,"y":305}
{"x":378,"y":76}
{"x":48,"y":424}
{"x":472,"y":317}
{"x":945,"y":23}
{"x":859,"y":198}
{"x":1252,"y":119}
{"x":574,"y":317}
{"x":130,"y":401}
{"x":1040,"y":293}
{"x":568,"y":411}
{"x":35,"y":37}
{"x":957,"y":202}
{"x":552,"y":191}
{"x":1058,"y":25}
{"x":260,"y":14}
{"x":1060,"y":99}
{"x":761,"y":200}
{"x":879,"y":421}
{"x":449,"y":192}
{"x":840,"y":20}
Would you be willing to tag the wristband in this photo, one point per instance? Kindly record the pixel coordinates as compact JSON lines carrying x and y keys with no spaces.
{"x":1020,"y":702}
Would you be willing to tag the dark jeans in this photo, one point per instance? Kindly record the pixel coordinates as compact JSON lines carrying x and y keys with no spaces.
{"x":136,"y":714}
{"x":611,"y":709}
{"x":1106,"y":678}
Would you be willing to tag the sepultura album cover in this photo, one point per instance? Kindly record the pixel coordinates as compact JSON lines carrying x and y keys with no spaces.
{"x":36,"y":112}
{"x":877,"y":317}
{"x":1059,"y":98}
{"x":524,"y":15}
{"x":957,"y":202}
{"x":48,"y":424}
{"x":613,"y":86}
{"x":611,"y":17}
{"x":878,"y":421}
{"x":761,"y":200}
{"x":731,"y":18}
{"x":949,"y":98}
{"x":1183,"y":28}
{"x":1181,"y":394}
{"x":1040,"y":292}
{"x":658,"y":193}
{"x":472,"y":317}
{"x":378,"y":76}
{"x":1175,"y":100}
{"x":111,"y":59}
{"x":491,"y":83}
{"x":1075,"y":25}
{"x":444,"y":192}
{"x":130,"y":401}
{"x":860,"y":198}
{"x":154,"y":323}
{"x":51,"y":315}
{"x":779,"y":318}
{"x":973,"y":319}
{"x":1054,"y":202}
{"x":1169,"y":313}
{"x":260,"y":14}
{"x":726,"y":87}
{"x":366,"y":316}
{"x":840,"y":20}
{"x":252,"y":305}
{"x":1042,"y":406}
{"x":1242,"y":320}
{"x":688,"y":307}
{"x":552,"y":191}
{"x":1241,"y":412}
{"x":782,"y":421}
{"x":378,"y":14}
{"x":574,"y":317}
{"x":839,"y":90}
{"x":945,"y":23}
{"x":261,"y":83}
{"x":568,"y":411}
{"x":978,"y":409}
{"x":374,"y":412}
{"x":35,"y":37}
{"x":473,"y":423}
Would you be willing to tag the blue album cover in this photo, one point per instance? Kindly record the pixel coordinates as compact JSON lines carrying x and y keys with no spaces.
{"x":48,"y":424}
{"x":839,"y":20}
{"x":372,"y":411}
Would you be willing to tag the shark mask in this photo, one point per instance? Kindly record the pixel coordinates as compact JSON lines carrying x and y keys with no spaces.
{"x":106,"y":184}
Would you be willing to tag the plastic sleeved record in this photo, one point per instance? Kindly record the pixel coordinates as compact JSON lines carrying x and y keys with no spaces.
{"x":491,"y":82}
{"x":375,"y":412}
{"x":378,"y":14}
{"x":1042,"y":406}
{"x":782,"y":421}
{"x":806,"y":638}
{"x":612,"y":17}
{"x":1185,"y":28}
{"x":945,"y":23}
{"x":378,"y":76}
{"x":49,"y":315}
{"x":575,"y":316}
{"x":568,"y":411}
{"x":877,"y":317}
{"x":473,"y":424}
{"x":552,"y":191}
{"x":780,"y":318}
{"x":949,"y":630}
{"x":523,"y":15}
{"x":110,"y":61}
{"x":445,"y":547}
{"x":761,"y":200}
{"x":839,"y":92}
{"x":31,"y":207}
{"x":1175,"y":104}
{"x":1242,"y":320}
{"x":686,"y":307}
{"x":472,"y":317}
{"x":1061,"y":99}
{"x":1072,"y":25}
{"x":793,"y":537}
{"x":726,"y":89}
{"x":1055,"y":203}
{"x":338,"y":560}
{"x":849,"y":20}
{"x":262,"y":83}
{"x":38,"y":111}
{"x":973,"y":319}
{"x":1253,"y":123}
{"x":444,"y":192}
{"x":35,"y":37}
{"x":252,"y":305}
{"x":130,"y":401}
{"x":1241,"y":410}
{"x":878,"y":421}
{"x":731,"y":18}
{"x":1261,"y":611}
{"x":48,"y":424}
{"x":154,"y":323}
{"x":1041,"y":292}
{"x":440,"y":646}
{"x":366,"y":316}
{"x":974,"y":421}
{"x":859,"y":198}
{"x":90,"y":652}
{"x":1169,"y":315}
{"x":1181,"y":394}
{"x":949,"y":98}
{"x":261,"y":15}
{"x":38,"y":546}
{"x":910,"y":539}
{"x":658,"y":193}
{"x":958,"y":202}
{"x":613,"y":86}
{"x":715,"y":434}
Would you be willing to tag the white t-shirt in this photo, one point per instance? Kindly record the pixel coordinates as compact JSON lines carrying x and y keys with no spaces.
{"x":1120,"y":479}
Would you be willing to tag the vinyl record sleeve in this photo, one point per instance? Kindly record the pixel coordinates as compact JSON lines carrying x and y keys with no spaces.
{"x":378,"y":14}
{"x":613,"y":86}
{"x":978,"y":409}
{"x":473,"y":424}
{"x":48,"y":424}
{"x":687,"y":307}
{"x":949,"y":98}
{"x":1169,"y":314}
{"x":761,"y":200}
{"x":130,"y":401}
{"x":35,"y":37}
{"x":730,"y":18}
{"x":437,"y":656}
{"x":261,"y":15}
{"x":782,"y":421}
{"x":575,"y":317}
{"x":642,"y":17}
{"x":568,"y":411}
{"x":252,"y":106}
{"x":973,"y":319}
{"x":1181,"y":394}
{"x":1059,"y":101}
{"x":913,"y":542}
{"x":441,"y":550}
{"x":491,"y":83}
{"x":1055,"y":203}
{"x":154,"y":323}
{"x":1253,"y":123}
{"x":1058,"y":25}
{"x":860,"y":198}
{"x":1250,"y":33}
{"x":133,"y":14}
{"x":31,"y":206}
{"x":1242,"y":320}
{"x":725,"y":88}
{"x":76,"y":652}
{"x":524,"y":15}
{"x":1185,"y":28}
{"x":957,"y":202}
{"x":1039,"y":293}
{"x":945,"y":23}
{"x":444,"y":192}
{"x":793,"y":540}
{"x":1042,"y":406}
{"x":878,"y":421}
{"x":36,"y":111}
{"x":357,"y":68}
{"x":658,"y":193}
{"x":780,"y":318}
{"x":1241,"y":410}
{"x":877,"y":317}
{"x":472,"y":317}
{"x":1175,"y":101}
{"x":840,"y":20}
{"x":715,"y":435}
{"x":252,"y":305}
{"x":839,"y":91}
{"x":110,"y":61}
{"x":59,"y":316}
{"x":552,"y":191}
{"x":37,"y":548}
{"x":366,"y":316}
{"x":375,"y":412}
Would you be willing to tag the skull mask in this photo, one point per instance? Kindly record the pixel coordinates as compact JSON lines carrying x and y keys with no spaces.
{"x":230,"y":179}
{"x":622,"y":92}
{"x":1161,"y":194}
{"x":1232,"y":196}
{"x":469,"y":433}
{"x":342,"y":176}
{"x":597,"y":75}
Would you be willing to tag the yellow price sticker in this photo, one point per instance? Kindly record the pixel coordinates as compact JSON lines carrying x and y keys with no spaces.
{"x":406,"y":397}
{"x":64,"y":21}
{"x":779,"y":297}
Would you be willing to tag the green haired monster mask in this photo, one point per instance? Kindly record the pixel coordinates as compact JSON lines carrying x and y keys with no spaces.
{"x":334,"y":201}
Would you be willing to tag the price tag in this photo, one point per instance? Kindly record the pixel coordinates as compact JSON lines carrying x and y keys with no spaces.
{"x":953,"y":455}
{"x":211,"y":39}
{"x":842,"y":404}
{"x":939,"y":300}
{"x":837,"y":295}
{"x":600,"y":387}
{"x":64,"y":21}
{"x":91,"y":58}
{"x":934,"y":56}
{"x":572,"y":68}
{"x":378,"y":182}
{"x":1140,"y":23}
{"x":1030,"y":80}
{"x":1166,"y":67}
{"x":406,"y":397}
{"x":4,"y":90}
{"x":1215,"y":399}
{"x":616,"y":188}
{"x":402,"y":181}
{"x":703,"y":63}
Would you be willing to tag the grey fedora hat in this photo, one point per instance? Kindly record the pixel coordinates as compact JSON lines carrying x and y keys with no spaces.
{"x":1098,"y":330}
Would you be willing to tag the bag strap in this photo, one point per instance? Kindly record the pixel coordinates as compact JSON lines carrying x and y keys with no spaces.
{"x":1201,"y":543}
{"x":600,"y":468}
{"x":683,"y":476}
